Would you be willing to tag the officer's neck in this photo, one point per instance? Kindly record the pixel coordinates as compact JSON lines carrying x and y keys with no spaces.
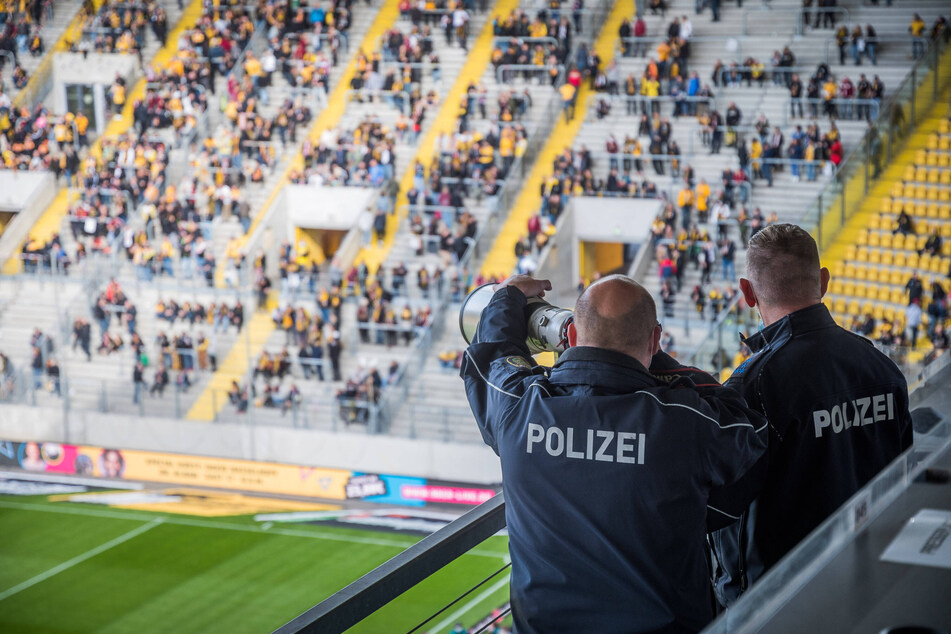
{"x":771,"y":314}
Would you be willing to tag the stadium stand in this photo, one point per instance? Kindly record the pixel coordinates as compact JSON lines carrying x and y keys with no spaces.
{"x":463,"y":138}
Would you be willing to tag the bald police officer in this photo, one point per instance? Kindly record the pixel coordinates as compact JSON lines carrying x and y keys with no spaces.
{"x":606,"y":467}
{"x":837,"y":411}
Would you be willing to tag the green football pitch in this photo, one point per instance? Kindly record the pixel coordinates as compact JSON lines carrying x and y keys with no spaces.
{"x":69,"y":567}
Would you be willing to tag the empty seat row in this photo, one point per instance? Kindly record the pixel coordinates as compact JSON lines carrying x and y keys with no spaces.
{"x":933,"y":158}
{"x":937,"y":210}
{"x":930,"y":175}
{"x":887,"y":257}
{"x":885,"y":273}
{"x":921,"y":192}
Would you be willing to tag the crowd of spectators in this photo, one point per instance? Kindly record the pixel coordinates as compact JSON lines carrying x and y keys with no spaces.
{"x":542,"y":43}
{"x":364,"y":156}
{"x":121,"y":26}
{"x":39,"y":140}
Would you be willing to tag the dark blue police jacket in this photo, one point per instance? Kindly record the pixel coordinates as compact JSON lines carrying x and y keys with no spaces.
{"x":838,"y":414}
{"x":606,"y":471}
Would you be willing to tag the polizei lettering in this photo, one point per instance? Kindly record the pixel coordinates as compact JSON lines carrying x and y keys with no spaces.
{"x":856,"y":413}
{"x":600,"y":445}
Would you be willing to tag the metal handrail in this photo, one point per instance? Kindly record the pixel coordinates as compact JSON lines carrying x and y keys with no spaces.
{"x":501,"y":69}
{"x":876,"y":41}
{"x":375,"y":589}
{"x":649,"y":41}
{"x":803,"y":12}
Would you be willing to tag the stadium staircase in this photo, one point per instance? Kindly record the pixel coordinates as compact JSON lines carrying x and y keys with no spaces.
{"x":260,"y":196}
{"x":364,"y":35}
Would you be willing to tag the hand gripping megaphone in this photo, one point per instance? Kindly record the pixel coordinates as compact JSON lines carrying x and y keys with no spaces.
{"x":547,"y":325}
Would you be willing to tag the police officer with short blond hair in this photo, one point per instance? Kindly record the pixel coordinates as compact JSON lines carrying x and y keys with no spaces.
{"x":837,"y":410}
{"x":606,"y":466}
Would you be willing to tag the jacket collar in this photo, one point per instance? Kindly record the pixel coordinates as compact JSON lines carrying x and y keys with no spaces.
{"x":604,"y":368}
{"x":795,"y":323}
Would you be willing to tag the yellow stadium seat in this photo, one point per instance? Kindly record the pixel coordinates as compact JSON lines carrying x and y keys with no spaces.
{"x":920,"y":210}
{"x":943,"y":159}
{"x":909,"y":173}
{"x":921,"y":174}
{"x":921,"y":156}
{"x":875,"y":222}
{"x":896,"y":277}
{"x":889,"y":313}
{"x":897,"y":296}
{"x":839,"y":305}
{"x":912,"y":261}
{"x":934,"y":177}
{"x":862,"y":239}
{"x":946,"y":230}
{"x":861,"y":273}
{"x":946,"y":248}
{"x":848,"y":288}
{"x":849,"y":271}
{"x":932,"y":141}
{"x":835,"y":287}
{"x":854,"y":308}
{"x":938,"y":265}
{"x":879,"y":312}
{"x":944,"y":212}
{"x":944,"y":177}
{"x":898,"y":259}
{"x":872,"y":274}
{"x":886,"y":205}
{"x":860,"y":291}
{"x":943,"y":126}
{"x":827,"y":301}
{"x":875,"y":239}
{"x":921,"y":192}
{"x":897,"y":206}
{"x":910,"y":243}
{"x":884,"y":240}
{"x":933,"y":210}
{"x":884,"y":293}
{"x":850,"y":252}
{"x":944,"y":143}
{"x":860,"y":254}
{"x":898,"y":190}
{"x":838,"y":269}
{"x":874,"y":256}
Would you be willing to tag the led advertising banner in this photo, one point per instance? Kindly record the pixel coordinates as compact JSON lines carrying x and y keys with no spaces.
{"x":225,"y":473}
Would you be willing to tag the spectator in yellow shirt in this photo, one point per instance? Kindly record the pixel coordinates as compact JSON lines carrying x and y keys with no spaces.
{"x":917,"y":30}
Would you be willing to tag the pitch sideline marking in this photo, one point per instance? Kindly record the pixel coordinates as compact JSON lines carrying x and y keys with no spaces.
{"x":476,"y":600}
{"x":89,"y":554}
{"x":182,"y":521}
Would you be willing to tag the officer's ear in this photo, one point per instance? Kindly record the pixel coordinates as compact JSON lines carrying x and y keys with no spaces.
{"x":655,"y":340}
{"x":824,"y":277}
{"x":747,"y":289}
{"x":572,"y":335}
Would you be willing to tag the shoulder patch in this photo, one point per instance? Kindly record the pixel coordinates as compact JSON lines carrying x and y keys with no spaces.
{"x":740,"y":369}
{"x":519,"y":362}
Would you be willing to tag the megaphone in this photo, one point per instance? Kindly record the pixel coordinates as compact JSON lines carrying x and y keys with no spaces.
{"x":547,"y":324}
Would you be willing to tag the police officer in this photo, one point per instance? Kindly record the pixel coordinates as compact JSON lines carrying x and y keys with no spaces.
{"x":606,"y":467}
{"x":837,"y":411}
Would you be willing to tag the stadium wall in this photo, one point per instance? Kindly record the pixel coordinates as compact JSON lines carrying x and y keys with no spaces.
{"x":342,"y":450}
